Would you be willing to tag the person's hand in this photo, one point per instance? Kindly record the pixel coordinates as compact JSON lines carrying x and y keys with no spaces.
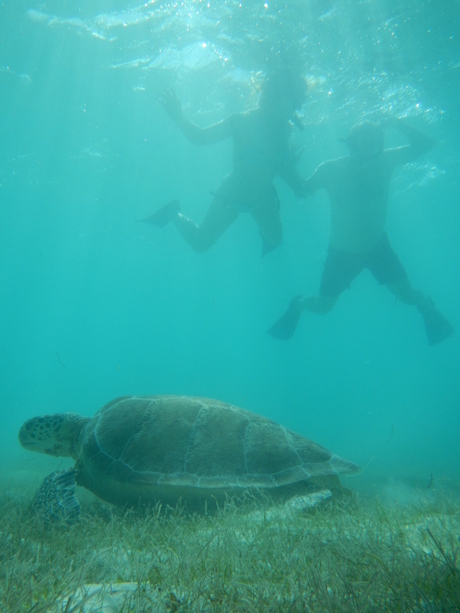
{"x":172,"y":104}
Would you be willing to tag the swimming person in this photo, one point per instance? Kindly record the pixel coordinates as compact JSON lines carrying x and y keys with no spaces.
{"x":358,"y":187}
{"x":260,"y":152}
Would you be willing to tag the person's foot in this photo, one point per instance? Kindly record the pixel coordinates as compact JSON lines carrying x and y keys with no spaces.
{"x":285,"y":327}
{"x":164,"y":215}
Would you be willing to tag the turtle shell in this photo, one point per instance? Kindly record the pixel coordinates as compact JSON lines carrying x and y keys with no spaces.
{"x":166,"y":448}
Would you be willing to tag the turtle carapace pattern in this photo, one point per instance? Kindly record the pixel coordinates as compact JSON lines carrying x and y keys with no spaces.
{"x":145,"y":450}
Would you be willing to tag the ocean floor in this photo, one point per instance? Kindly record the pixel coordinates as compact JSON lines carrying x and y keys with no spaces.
{"x":395,"y":550}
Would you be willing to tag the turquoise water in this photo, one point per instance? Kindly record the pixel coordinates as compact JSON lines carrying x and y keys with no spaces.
{"x":94,"y":305}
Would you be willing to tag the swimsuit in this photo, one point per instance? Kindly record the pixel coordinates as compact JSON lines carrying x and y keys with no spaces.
{"x":243,"y":202}
{"x":340,"y":268}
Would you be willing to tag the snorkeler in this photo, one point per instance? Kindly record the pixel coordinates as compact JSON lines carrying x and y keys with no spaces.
{"x":358,"y":187}
{"x":260,"y":153}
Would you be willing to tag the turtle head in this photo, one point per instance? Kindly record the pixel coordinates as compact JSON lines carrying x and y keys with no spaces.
{"x":57,"y":435}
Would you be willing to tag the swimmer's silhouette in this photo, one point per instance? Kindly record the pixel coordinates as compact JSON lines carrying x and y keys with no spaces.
{"x":358,"y":187}
{"x":260,"y":153}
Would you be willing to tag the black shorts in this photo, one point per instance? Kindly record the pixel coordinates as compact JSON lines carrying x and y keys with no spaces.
{"x":341,"y":268}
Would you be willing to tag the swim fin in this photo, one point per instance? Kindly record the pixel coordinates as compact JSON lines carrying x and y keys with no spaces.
{"x":164,"y":215}
{"x":437,"y":327}
{"x":286,"y":325}
{"x":266,"y":247}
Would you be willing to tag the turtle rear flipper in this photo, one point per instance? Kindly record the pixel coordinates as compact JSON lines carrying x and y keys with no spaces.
{"x":55,"y":499}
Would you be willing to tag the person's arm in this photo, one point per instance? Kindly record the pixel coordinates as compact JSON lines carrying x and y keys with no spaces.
{"x":290,"y":175}
{"x":307,"y":187}
{"x":320,"y":178}
{"x":419,"y":143}
{"x":198,"y":136}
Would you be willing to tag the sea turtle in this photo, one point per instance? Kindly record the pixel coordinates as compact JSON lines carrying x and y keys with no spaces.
{"x":144,"y":450}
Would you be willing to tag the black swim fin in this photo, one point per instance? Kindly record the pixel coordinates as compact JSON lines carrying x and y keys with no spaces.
{"x":286,"y":325}
{"x":437,"y":327}
{"x":164,"y":215}
{"x":266,"y":247}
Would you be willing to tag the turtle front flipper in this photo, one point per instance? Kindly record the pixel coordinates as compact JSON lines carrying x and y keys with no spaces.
{"x":55,"y":499}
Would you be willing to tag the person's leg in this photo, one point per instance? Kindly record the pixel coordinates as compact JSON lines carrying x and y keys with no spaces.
{"x":437,"y":327}
{"x":403,"y":291}
{"x":319,"y":304}
{"x":219,"y":217}
{"x":339,"y":271}
{"x":284,"y":328}
{"x":268,"y":219}
{"x":384,"y":264}
{"x":387,"y":269}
